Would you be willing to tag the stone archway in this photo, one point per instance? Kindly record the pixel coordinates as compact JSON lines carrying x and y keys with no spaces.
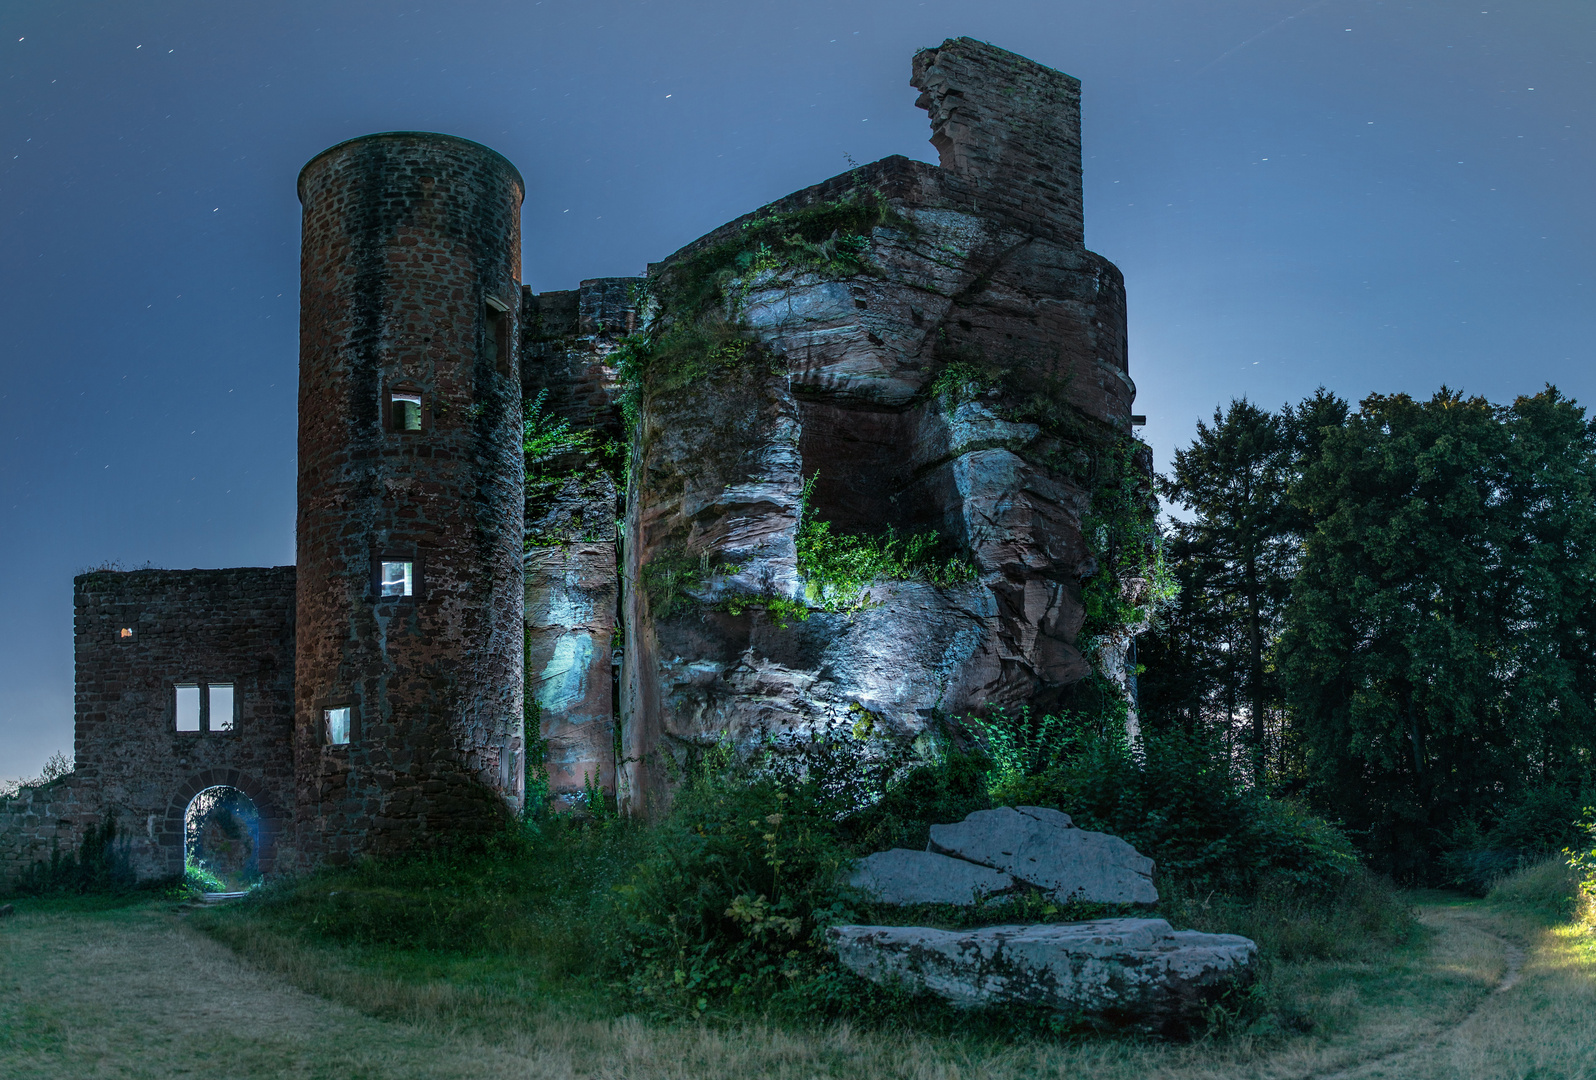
{"x":264,"y":830}
{"x":221,"y":835}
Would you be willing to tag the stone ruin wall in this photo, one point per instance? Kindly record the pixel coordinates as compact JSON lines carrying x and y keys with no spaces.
{"x":189,"y":626}
{"x":572,"y":589}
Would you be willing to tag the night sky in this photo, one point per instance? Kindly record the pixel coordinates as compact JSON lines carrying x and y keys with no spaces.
{"x":1369,"y":196}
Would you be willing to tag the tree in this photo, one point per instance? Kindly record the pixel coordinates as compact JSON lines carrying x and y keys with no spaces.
{"x":1437,"y":641}
{"x":1234,"y":558}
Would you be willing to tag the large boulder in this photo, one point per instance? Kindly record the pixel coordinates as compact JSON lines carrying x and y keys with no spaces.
{"x":1137,"y":969}
{"x":901,"y":876}
{"x":1042,"y":847}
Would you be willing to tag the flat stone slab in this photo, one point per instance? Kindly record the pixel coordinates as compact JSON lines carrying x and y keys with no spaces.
{"x":1137,"y":968}
{"x":1042,"y":847}
{"x":901,"y":876}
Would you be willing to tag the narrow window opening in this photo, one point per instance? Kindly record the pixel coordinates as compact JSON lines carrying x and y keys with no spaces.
{"x":221,"y":706}
{"x":497,"y":335}
{"x":398,"y":578}
{"x":188,"y":707}
{"x":335,"y":725}
{"x":406,"y":410}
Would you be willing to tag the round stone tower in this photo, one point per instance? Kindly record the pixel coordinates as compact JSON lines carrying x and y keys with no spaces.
{"x":408,"y":670}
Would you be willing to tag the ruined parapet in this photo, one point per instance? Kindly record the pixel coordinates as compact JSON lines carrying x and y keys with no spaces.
{"x":410,"y":638}
{"x":571,"y":382}
{"x":1008,"y":133}
{"x":902,"y":351}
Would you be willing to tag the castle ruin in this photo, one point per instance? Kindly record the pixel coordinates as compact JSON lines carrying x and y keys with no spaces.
{"x":902,"y":351}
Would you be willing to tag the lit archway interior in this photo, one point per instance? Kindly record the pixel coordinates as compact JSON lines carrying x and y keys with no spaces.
{"x":221,"y":834}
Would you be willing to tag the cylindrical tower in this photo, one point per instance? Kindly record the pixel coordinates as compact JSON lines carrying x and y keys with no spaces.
{"x":408,"y":673}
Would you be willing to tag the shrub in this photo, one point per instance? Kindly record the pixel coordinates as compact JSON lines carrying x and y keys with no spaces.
{"x":1180,"y":802}
{"x":1537,"y":822}
{"x":732,"y":900}
{"x":99,"y":865}
{"x":838,"y":569}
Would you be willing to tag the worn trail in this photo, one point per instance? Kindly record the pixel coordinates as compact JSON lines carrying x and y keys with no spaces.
{"x":1421,"y":1057}
{"x":137,"y":995}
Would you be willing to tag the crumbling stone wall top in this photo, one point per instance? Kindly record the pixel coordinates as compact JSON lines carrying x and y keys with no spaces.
{"x":1009,"y":129}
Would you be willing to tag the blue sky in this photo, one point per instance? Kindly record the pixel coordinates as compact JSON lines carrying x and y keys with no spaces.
{"x":1373,"y":196}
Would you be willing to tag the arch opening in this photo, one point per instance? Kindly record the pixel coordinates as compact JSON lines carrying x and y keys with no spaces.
{"x":222,"y":837}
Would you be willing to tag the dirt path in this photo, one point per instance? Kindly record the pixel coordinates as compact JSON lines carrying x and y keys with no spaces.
{"x":134,"y":994}
{"x":1420,"y":1057}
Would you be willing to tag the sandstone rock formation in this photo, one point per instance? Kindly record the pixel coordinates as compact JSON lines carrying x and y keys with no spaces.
{"x":905,"y":351}
{"x":1136,"y":969}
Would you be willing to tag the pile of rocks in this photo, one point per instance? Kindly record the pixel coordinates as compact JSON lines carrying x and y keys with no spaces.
{"x":1139,"y":969}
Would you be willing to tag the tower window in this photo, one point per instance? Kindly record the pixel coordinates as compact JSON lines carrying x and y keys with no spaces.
{"x":126,"y":634}
{"x":188,"y":707}
{"x":497,"y":335}
{"x":221,"y":706}
{"x":397,"y":578}
{"x":405,"y":410}
{"x":335,"y":725}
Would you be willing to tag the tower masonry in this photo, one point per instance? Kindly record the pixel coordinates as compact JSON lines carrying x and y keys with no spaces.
{"x":408,"y":708}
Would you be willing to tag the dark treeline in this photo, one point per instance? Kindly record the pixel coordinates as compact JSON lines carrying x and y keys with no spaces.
{"x":1390,"y":611}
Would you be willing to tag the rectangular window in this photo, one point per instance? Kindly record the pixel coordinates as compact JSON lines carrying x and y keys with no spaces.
{"x":406,"y":411}
{"x":221,"y":703}
{"x":335,"y":725}
{"x":397,"y":578}
{"x":188,"y":707}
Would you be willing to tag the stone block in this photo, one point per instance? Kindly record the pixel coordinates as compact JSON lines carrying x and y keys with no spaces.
{"x":1131,"y":968}
{"x":901,"y":876}
{"x":1042,"y":847}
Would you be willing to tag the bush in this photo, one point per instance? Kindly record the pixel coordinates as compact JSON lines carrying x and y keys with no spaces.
{"x":1538,"y":822}
{"x":1183,"y":804}
{"x":100,"y":865}
{"x":734,"y":895}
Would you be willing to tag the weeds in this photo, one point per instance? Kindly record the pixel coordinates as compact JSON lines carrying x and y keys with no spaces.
{"x":839,"y":569}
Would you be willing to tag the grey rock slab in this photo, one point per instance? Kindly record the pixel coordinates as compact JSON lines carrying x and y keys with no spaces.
{"x":1041,"y":847}
{"x":1132,"y":967}
{"x":901,"y":876}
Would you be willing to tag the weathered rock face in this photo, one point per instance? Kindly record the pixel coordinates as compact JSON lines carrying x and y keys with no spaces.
{"x":953,"y":377}
{"x":570,"y":618}
{"x":1128,"y":968}
{"x":1041,"y":847}
{"x":572,"y":588}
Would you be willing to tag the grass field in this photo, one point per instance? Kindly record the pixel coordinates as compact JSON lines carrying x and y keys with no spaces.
{"x":1504,"y":987}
